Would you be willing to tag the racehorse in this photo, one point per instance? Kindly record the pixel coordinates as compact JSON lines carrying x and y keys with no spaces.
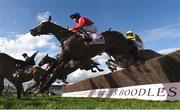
{"x":10,"y":71}
{"x":52,"y":62}
{"x":46,"y":59}
{"x":69,"y":68}
{"x":73,"y":47}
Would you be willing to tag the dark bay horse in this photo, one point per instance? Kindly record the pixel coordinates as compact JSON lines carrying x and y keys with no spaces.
{"x":51,"y":63}
{"x":46,"y":59}
{"x":73,"y":46}
{"x":68,"y":68}
{"x":8,"y":67}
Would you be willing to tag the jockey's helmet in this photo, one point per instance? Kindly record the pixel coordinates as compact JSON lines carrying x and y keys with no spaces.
{"x":75,"y":16}
{"x":129,"y":33}
{"x":24,"y":54}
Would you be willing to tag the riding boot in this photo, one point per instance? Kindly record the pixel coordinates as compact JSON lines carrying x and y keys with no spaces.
{"x":85,"y":36}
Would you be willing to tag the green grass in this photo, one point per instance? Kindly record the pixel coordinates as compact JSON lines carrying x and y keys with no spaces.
{"x":53,"y":102}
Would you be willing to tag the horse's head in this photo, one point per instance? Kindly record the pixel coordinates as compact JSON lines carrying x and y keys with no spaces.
{"x":45,"y":60}
{"x":43,"y":28}
{"x":48,"y":27}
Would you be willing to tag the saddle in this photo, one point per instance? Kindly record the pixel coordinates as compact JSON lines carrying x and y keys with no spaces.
{"x":88,"y":38}
{"x":85,"y":35}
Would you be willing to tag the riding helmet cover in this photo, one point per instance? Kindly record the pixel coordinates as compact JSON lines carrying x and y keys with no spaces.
{"x":24,"y":54}
{"x":75,"y":16}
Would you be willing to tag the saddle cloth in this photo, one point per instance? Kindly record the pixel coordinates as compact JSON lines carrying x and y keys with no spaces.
{"x":96,"y":39}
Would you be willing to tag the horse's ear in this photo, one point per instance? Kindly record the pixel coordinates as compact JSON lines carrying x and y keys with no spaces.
{"x":46,"y":55}
{"x":49,"y":19}
{"x":68,"y":27}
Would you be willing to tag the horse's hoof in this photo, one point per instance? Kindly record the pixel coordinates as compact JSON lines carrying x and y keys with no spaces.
{"x":93,"y":71}
{"x":66,"y":82}
{"x":101,"y":70}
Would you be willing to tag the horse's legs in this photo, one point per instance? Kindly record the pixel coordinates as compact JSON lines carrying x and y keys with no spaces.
{"x":99,"y":69}
{"x":18,"y":86}
{"x":95,"y":65}
{"x":64,"y":58}
{"x":62,"y":61}
{"x":47,"y":73}
{"x":50,"y":80}
{"x":64,"y":79}
{"x":31,"y":87}
{"x":1,"y":85}
{"x":92,"y":70}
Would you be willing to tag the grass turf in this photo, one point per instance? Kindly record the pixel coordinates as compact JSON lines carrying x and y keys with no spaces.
{"x":55,"y":102}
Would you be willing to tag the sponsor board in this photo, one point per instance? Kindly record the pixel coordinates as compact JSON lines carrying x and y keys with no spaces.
{"x":165,"y":91}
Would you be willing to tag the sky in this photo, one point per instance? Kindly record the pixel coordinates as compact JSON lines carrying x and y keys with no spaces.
{"x":157,"y":22}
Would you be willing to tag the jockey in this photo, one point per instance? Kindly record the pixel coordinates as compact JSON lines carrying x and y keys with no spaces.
{"x":85,"y":24}
{"x":26,"y":57}
{"x":29,"y":60}
{"x":135,"y":40}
